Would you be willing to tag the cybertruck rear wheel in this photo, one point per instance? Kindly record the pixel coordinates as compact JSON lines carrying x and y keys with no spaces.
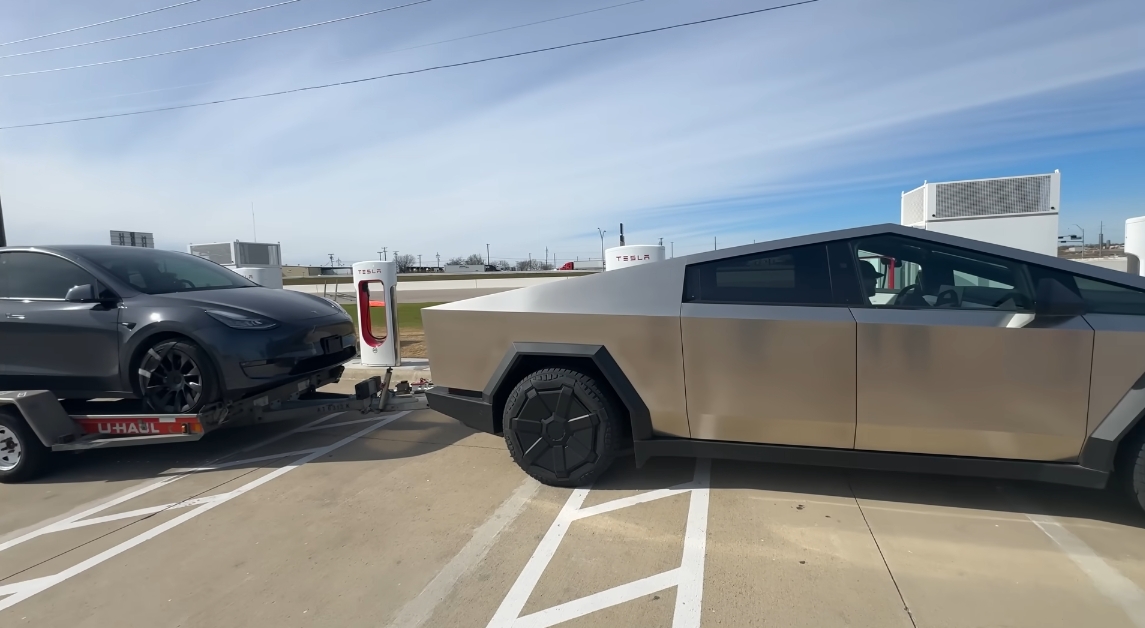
{"x":1132,"y":468}
{"x":176,"y":377}
{"x":561,"y":427}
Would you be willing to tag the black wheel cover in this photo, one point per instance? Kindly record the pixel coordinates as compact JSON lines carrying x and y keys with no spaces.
{"x":170,"y":379}
{"x":555,"y":429}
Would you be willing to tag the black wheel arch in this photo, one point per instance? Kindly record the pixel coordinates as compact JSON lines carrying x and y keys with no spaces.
{"x":1102,"y":448}
{"x":137,"y":346}
{"x":523,"y":358}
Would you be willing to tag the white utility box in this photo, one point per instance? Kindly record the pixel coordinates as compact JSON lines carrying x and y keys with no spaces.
{"x":1020,"y":212}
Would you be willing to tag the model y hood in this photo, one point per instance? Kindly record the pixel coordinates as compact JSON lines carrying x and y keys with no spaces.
{"x":278,"y":304}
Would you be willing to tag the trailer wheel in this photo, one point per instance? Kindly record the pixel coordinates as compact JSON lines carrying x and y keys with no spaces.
{"x":176,"y":377}
{"x":561,"y":427}
{"x":22,"y":455}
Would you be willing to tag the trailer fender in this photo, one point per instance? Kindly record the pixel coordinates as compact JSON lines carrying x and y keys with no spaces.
{"x":43,"y":413}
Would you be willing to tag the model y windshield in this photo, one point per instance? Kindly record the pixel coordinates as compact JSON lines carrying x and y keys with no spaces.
{"x":158,"y":272}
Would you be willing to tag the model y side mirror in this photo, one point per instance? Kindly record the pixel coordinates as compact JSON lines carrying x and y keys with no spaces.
{"x":81,"y":294}
{"x":88,"y":293}
{"x":1054,"y":299}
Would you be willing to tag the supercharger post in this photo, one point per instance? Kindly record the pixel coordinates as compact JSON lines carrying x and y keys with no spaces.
{"x":375,"y":284}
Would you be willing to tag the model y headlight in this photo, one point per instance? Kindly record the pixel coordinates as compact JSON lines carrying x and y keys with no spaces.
{"x":241,"y":321}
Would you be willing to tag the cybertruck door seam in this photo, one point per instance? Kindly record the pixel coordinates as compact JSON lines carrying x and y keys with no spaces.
{"x":1118,"y":343}
{"x":1100,"y":449}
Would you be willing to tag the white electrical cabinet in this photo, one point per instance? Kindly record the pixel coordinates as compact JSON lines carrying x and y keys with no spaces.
{"x":1020,"y":212}
{"x":261,"y":262}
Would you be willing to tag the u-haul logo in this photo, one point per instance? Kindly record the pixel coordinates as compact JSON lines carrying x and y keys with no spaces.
{"x":127,"y":428}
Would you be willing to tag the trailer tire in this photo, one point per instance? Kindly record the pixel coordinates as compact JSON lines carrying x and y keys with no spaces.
{"x":561,"y":427}
{"x":22,"y":456}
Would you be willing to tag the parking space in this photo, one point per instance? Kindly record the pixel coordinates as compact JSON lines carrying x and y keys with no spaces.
{"x":409,"y":519}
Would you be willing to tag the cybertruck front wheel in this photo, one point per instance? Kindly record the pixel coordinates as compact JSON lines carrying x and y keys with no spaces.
{"x":561,"y":427}
{"x":1132,"y":468}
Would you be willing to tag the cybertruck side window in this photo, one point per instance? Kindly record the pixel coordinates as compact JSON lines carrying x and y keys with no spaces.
{"x":795,"y":276}
{"x":1108,"y":298}
{"x":905,"y":273}
{"x":39,"y":276}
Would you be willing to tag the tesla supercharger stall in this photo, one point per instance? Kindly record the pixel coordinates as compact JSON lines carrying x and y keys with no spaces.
{"x":375,"y":284}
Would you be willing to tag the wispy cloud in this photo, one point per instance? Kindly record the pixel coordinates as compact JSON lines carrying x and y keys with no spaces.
{"x":795,"y":121}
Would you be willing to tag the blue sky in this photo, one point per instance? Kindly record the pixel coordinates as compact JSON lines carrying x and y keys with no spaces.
{"x":788,"y":122}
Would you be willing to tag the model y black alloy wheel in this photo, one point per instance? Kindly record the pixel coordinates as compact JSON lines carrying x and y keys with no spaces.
{"x":176,"y":377}
{"x":561,"y":427}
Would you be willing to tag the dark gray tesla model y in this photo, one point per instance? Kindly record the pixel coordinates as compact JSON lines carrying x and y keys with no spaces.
{"x":172,"y":329}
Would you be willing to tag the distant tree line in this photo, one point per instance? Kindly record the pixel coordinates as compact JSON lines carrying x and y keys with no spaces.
{"x":405,"y":262}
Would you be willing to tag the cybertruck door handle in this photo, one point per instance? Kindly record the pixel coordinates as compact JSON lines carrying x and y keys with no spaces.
{"x":15,"y":316}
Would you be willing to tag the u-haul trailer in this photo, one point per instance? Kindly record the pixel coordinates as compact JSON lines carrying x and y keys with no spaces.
{"x":34,"y":423}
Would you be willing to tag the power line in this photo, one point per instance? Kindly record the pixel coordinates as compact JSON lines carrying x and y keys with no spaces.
{"x":408,"y":72}
{"x":509,"y":28}
{"x":385,"y":52}
{"x":220,"y":43}
{"x":80,"y":28}
{"x":157,"y":30}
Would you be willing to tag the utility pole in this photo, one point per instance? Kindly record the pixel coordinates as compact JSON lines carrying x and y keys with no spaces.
{"x":598,"y":230}
{"x":331,"y":259}
{"x":673,"y":249}
{"x":439,"y":260}
{"x":3,"y":239}
{"x":488,"y":260}
{"x":546,"y":255}
{"x":1100,"y":237}
{"x":379,"y":256}
{"x":715,"y":245}
{"x":419,"y":259}
{"x":382,"y":254}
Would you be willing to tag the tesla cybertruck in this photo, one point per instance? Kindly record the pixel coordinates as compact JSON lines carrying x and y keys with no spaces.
{"x":881,"y":347}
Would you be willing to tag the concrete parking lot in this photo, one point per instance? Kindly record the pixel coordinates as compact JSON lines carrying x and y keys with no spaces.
{"x":409,"y":519}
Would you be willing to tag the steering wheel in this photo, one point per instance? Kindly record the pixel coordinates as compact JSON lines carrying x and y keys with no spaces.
{"x":911,"y":296}
{"x":947,"y":298}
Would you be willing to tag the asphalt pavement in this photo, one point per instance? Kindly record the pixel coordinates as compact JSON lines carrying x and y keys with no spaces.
{"x":409,"y":519}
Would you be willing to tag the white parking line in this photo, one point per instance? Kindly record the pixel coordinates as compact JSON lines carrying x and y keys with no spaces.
{"x":688,"y":578}
{"x":65,"y":523}
{"x":418,"y":610}
{"x":19,"y":591}
{"x":131,"y":514}
{"x":1107,"y":579}
{"x":330,"y":425}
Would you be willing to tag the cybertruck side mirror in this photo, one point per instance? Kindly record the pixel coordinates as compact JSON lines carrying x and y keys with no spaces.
{"x":1054,"y":299}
